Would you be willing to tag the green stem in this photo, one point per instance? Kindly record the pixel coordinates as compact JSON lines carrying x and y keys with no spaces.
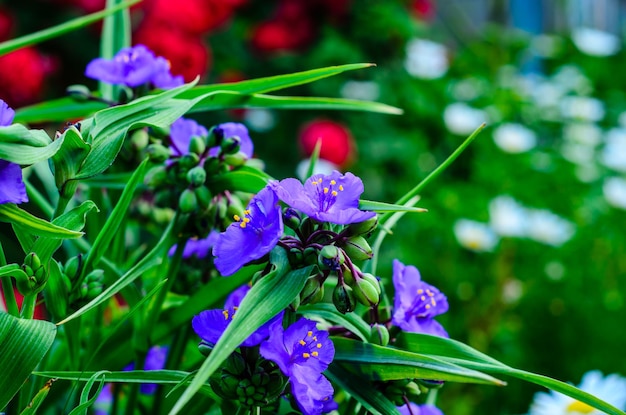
{"x":417,"y":189}
{"x":174,"y":357}
{"x":28,"y":306}
{"x":64,"y":200}
{"x":431,"y":399}
{"x":7,"y":289}
{"x":131,"y":403}
{"x":36,"y":197}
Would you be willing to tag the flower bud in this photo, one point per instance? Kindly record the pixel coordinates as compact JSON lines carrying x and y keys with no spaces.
{"x":211,"y":166}
{"x":330,"y":258}
{"x":429,"y":384}
{"x":363,"y":228}
{"x":158,"y":177}
{"x":380,"y":335}
{"x":73,"y":266}
{"x":235,"y":364}
{"x":413,"y":389}
{"x":140,"y":139}
{"x":197,"y":145}
{"x":203,"y":195}
{"x":343,"y":298}
{"x":366,"y":293}
{"x":310,"y":255}
{"x":79,"y":92}
{"x":291,"y":218}
{"x":196,"y":176}
{"x":235,"y":207}
{"x":295,"y":256}
{"x":33,"y":261}
{"x":205,"y":349}
{"x":348,"y":276}
{"x":357,"y":248}
{"x":311,"y":291}
{"x":157,"y":153}
{"x":189,"y":161}
{"x":372,"y":280}
{"x":187,"y":202}
{"x":230,"y":145}
{"x":235,"y":160}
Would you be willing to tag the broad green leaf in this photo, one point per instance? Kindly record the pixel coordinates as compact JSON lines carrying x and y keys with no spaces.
{"x":36,"y":402}
{"x":20,"y":145}
{"x":351,"y":321}
{"x":112,"y":224}
{"x":266,"y":298}
{"x":9,"y":212}
{"x":56,"y":292}
{"x":243,"y":179}
{"x":274,"y":83}
{"x":220,"y":100}
{"x":152,"y":259}
{"x":463,"y":355}
{"x":40,"y":36}
{"x":388,"y":207}
{"x":68,"y":160}
{"x":386,"y":363}
{"x":115,"y":36}
{"x":58,"y":110}
{"x":23,"y":343}
{"x":373,"y":400}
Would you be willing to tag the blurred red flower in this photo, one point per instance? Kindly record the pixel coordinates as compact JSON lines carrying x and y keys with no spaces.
{"x":189,"y":56}
{"x":424,"y":9}
{"x":338,"y":145}
{"x":191,"y":16}
{"x":6,"y":24}
{"x":22,"y":75}
{"x":275,"y":36}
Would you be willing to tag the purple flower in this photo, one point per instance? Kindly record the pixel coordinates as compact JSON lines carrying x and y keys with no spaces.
{"x":330,"y":198}
{"x":132,"y":67}
{"x":302,"y":352}
{"x":252,"y":236}
{"x":200,"y":248}
{"x":104,"y":401}
{"x":235,"y":129}
{"x":210,"y":324}
{"x":416,"y":303}
{"x":181,"y":132}
{"x":155,"y":360}
{"x":12,"y":188}
{"x":414,"y":409}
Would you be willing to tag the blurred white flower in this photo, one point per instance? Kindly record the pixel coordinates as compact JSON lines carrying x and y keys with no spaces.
{"x":578,"y":153}
{"x":572,"y":79}
{"x":587,"y":173}
{"x":321,"y":167}
{"x":514,"y":138}
{"x":548,"y":93}
{"x":475,"y":236}
{"x":611,"y":389}
{"x":614,"y":189}
{"x":613,"y":154}
{"x":462,"y":119}
{"x":468,"y":89}
{"x":426,"y":59}
{"x":547,"y":46}
{"x":583,"y":133}
{"x":554,"y":270}
{"x":361,"y":90}
{"x":548,"y":228}
{"x":507,"y":217}
{"x":512,"y":291}
{"x":259,"y":119}
{"x":595,"y":42}
{"x":582,"y":108}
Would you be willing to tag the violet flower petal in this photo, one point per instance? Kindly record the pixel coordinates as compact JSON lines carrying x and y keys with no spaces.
{"x":12,"y":188}
{"x":312,"y":391}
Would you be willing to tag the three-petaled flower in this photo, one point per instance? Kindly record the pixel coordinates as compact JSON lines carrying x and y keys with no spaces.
{"x":416,"y":303}
{"x":209,"y":325}
{"x":251,"y":236}
{"x":181,"y":132}
{"x":302,"y":352}
{"x":12,"y":188}
{"x":330,"y":198}
{"x":132,"y":67}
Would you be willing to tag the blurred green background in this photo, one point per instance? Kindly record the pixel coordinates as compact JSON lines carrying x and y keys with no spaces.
{"x":524,"y":233}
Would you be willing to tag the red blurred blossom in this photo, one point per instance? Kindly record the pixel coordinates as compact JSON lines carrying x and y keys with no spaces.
{"x":40,"y":310}
{"x":275,"y":36}
{"x":338,"y":145}
{"x":188,"y":55}
{"x":191,"y":16}
{"x":22,"y":76}
{"x":6,"y":24}
{"x":424,"y":9}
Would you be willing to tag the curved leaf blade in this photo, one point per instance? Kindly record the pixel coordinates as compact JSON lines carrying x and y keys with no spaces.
{"x":9,"y":212}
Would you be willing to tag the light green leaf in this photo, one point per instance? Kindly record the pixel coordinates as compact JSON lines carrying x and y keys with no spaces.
{"x":23,"y":343}
{"x":20,"y":145}
{"x":351,"y":321}
{"x":58,"y":110}
{"x":387,"y":363}
{"x":84,"y":401}
{"x":115,"y":36}
{"x":36,"y":402}
{"x":9,"y":212}
{"x":243,"y":179}
{"x":388,"y":207}
{"x":40,"y":36}
{"x":68,"y":160}
{"x":265,"y":299}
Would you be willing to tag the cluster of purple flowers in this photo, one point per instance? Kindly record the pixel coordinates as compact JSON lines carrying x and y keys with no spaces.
{"x":133,"y":67}
{"x":12,"y":188}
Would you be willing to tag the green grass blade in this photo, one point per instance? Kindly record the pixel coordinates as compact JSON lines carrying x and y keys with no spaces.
{"x":388,"y":207}
{"x":315,"y":155}
{"x":52,"y":32}
{"x":115,"y":36}
{"x":351,"y":321}
{"x":9,"y":212}
{"x":57,"y":110}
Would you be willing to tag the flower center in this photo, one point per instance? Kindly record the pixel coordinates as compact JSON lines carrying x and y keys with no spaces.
{"x":327,"y":193}
{"x":423,"y":303}
{"x":579,"y":407}
{"x":310,"y":346}
{"x":243,"y":222}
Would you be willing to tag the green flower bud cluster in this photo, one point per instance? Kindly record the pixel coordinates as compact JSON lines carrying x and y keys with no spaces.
{"x":250,"y":385}
{"x":81,"y":292}
{"x":36,"y":272}
{"x":313,"y":291}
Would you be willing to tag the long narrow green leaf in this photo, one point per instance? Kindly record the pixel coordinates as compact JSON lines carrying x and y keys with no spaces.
{"x":351,"y":321}
{"x":244,"y":179}
{"x":221,"y":100}
{"x":386,"y":363}
{"x":151,"y":260}
{"x":373,"y":400}
{"x":388,"y":207}
{"x":23,"y":343}
{"x":9,"y":212}
{"x":267,"y":298}
{"x":111,"y":226}
{"x":115,"y":36}
{"x":57,"y":110}
{"x":84,"y":401}
{"x":42,"y":35}
{"x":36,"y":402}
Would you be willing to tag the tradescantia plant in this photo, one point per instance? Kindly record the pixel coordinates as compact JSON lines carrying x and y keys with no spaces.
{"x":179,"y":277}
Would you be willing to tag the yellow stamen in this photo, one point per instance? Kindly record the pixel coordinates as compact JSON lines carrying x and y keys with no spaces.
{"x":309,"y":333}
{"x":302,"y":342}
{"x":246,"y":220}
{"x":334,"y":193}
{"x":318,"y":345}
{"x":433,"y":302}
{"x":242,"y":225}
{"x":427,"y":306}
{"x":326,"y":189}
{"x":306,"y":355}
{"x":314,"y":338}
{"x":225,"y":313}
{"x":579,"y":408}
{"x":247,"y":211}
{"x":315,"y":354}
{"x":237,"y":218}
{"x":420,"y":291}
{"x":332,"y":182}
{"x":423,"y":298}
{"x":341,"y":187}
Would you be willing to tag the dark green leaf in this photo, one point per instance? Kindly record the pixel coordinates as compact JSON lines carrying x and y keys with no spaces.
{"x":58,"y":110}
